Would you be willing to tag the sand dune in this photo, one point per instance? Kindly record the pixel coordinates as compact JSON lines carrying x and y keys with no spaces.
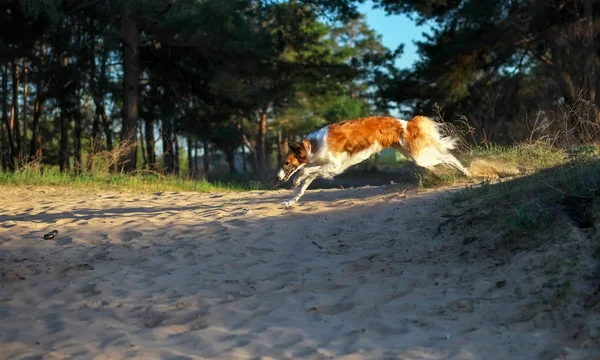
{"x":347,"y":274}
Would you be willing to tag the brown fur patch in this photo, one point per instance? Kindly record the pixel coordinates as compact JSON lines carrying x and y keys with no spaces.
{"x":418,"y":134}
{"x":353,"y":136}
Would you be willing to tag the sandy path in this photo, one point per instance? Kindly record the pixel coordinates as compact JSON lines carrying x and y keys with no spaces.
{"x":348,"y":274}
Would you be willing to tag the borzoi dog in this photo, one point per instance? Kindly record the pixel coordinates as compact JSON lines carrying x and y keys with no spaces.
{"x":330,"y":150}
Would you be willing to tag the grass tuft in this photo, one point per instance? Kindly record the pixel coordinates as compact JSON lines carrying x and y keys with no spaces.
{"x":138,"y":182}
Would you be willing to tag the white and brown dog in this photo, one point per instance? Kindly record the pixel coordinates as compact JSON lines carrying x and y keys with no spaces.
{"x":332,"y":149}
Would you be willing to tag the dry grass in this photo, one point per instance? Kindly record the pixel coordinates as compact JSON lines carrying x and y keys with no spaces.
{"x":102,"y":172}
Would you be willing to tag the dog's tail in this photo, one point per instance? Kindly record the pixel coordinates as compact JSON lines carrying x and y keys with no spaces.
{"x":426,"y":132}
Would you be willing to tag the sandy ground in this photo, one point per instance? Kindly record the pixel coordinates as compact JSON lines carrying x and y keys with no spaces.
{"x":346,"y":274}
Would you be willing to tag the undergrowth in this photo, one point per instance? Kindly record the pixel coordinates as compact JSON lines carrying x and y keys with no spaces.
{"x":138,"y":182}
{"x":531,"y":206}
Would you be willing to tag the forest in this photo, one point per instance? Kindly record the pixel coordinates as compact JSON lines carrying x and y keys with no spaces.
{"x":201,"y":87}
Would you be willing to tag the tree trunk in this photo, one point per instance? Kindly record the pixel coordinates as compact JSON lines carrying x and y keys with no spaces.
{"x":168,"y":150}
{"x":196,"y":151}
{"x":3,"y":162}
{"x":63,"y":154}
{"x":142,"y":148}
{"x":282,"y":145}
{"x":64,"y":120}
{"x":8,"y":154}
{"x":35,"y":153}
{"x":99,"y":99}
{"x":591,"y":57}
{"x":230,"y":157}
{"x":14,"y":121}
{"x":244,"y":166}
{"x":77,"y":140}
{"x":176,"y":148}
{"x":24,"y":114}
{"x":150,"y":144}
{"x":191,"y":167}
{"x":206,"y":159}
{"x":262,"y":141}
{"x":36,"y":138}
{"x":131,"y":77}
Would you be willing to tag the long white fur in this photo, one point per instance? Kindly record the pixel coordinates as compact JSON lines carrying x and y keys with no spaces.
{"x":325,"y":164}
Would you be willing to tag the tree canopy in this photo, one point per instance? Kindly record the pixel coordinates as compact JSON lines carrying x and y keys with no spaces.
{"x":499,"y":61}
{"x":146,"y":79}
{"x":145,"y":84}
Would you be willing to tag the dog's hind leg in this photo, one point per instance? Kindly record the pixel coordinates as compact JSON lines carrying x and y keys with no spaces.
{"x":299,"y":191}
{"x":430,"y":157}
{"x":452,"y":161}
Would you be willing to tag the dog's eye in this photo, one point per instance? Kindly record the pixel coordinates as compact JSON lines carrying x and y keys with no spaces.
{"x":286,"y":163}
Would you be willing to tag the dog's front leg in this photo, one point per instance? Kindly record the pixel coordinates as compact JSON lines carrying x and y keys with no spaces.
{"x":299,"y":191}
{"x":299,"y":178}
{"x":304,"y":173}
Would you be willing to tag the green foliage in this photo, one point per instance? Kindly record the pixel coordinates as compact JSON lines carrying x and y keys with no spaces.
{"x":208,"y":70}
{"x":136,"y":183}
{"x":527,"y":217}
{"x":501,"y":62}
{"x":527,"y":157}
{"x":431,"y":179}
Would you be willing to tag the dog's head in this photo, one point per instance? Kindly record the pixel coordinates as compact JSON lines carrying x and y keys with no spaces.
{"x":295,"y":159}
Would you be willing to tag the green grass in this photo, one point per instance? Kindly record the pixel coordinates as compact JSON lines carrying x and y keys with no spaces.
{"x":556,"y":189}
{"x":526,"y":157}
{"x":141,"y":183}
{"x":432,"y":179}
{"x":523,"y":158}
{"x":531,"y":205}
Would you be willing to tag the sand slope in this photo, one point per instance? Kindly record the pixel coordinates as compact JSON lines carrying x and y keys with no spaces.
{"x":347,"y":274}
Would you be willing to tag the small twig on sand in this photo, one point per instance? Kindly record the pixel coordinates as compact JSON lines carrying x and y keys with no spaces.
{"x":439,"y":229}
{"x":403,"y":194}
{"x":317,"y":245}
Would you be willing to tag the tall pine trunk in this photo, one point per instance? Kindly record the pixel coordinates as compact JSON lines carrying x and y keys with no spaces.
{"x":24,"y":114}
{"x":191,"y":165}
{"x":14,"y":121}
{"x":63,"y":152}
{"x":77,"y":130}
{"x":131,"y":76}
{"x":150,"y":144}
{"x":104,"y":121}
{"x":230,"y":158}
{"x":141,"y":140}
{"x":176,"y":148}
{"x":262,"y":141}
{"x":206,"y":158}
{"x":168,"y":148}
{"x":64,"y":120}
{"x":591,"y":58}
{"x":8,"y":151}
{"x":35,"y":150}
{"x":282,"y":145}
{"x":36,"y":138}
{"x":244,"y":165}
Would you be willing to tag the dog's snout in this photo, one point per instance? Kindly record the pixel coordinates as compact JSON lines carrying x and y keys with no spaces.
{"x":280,"y":175}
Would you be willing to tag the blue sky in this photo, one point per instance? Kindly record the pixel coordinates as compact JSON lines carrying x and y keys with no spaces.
{"x":395,"y":30}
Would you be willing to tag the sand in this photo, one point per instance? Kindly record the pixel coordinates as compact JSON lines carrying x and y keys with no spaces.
{"x":346,"y":274}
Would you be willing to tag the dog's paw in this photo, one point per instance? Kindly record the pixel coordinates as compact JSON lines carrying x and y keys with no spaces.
{"x":288,"y":204}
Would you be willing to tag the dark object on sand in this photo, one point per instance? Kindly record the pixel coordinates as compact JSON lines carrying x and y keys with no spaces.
{"x":51,"y":235}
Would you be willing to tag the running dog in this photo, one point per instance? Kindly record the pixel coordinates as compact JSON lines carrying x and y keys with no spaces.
{"x":332,"y":149}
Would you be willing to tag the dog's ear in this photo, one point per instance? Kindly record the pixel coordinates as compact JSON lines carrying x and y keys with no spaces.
{"x":306,"y":145}
{"x":294,"y":146}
